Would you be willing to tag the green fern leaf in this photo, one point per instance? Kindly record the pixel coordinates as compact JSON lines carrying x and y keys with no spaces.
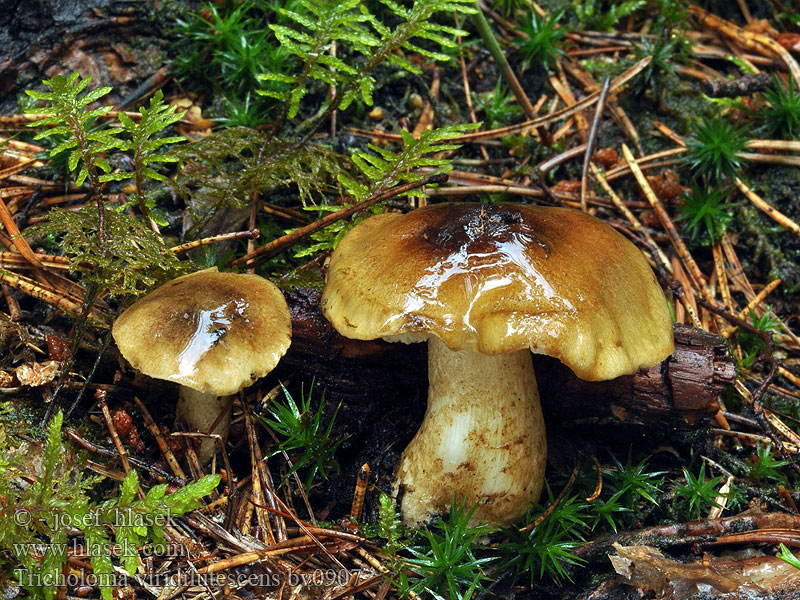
{"x":98,"y":542}
{"x":188,"y":497}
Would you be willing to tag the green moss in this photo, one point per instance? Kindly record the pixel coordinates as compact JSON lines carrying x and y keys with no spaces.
{"x":774,"y":251}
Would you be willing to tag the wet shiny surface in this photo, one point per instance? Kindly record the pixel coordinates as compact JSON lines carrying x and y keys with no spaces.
{"x":498,"y":278}
{"x":210,"y":328}
{"x":213,"y":332}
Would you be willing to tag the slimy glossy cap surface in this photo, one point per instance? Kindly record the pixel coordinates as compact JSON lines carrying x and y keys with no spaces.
{"x":213,"y":332}
{"x":500,"y":278}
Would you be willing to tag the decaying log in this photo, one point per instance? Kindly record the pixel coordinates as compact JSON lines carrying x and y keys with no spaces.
{"x":655,"y":575}
{"x":698,"y":534}
{"x":677,"y":393}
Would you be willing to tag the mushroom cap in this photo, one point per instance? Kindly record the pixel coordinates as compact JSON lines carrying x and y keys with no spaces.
{"x":500,"y":278}
{"x":213,"y":332}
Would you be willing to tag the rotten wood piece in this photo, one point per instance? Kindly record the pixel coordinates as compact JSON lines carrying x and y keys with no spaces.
{"x":698,"y":534}
{"x":677,"y":393}
{"x":733,"y":88}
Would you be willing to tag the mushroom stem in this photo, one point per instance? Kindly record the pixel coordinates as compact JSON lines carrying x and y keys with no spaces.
{"x":199,"y":410}
{"x":482,"y":438}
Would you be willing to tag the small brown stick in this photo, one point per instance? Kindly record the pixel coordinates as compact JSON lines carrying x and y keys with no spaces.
{"x":671,"y":135}
{"x":789,"y":375}
{"x":558,"y":115}
{"x":787,"y":497}
{"x":285,"y":213}
{"x":770,"y":159}
{"x":554,"y":503}
{"x":330,"y":533}
{"x":687,"y":297}
{"x":745,"y":11}
{"x":754,"y":41}
{"x":225,"y":237}
{"x":16,"y":237}
{"x":753,"y":437}
{"x":332,"y":97}
{"x":598,"y":488}
{"x":356,"y":587}
{"x":722,"y":277}
{"x":783,"y":145}
{"x":425,"y":121}
{"x":467,"y":93}
{"x":256,"y":201}
{"x":780,"y":391}
{"x":160,"y":440}
{"x":136,"y":462}
{"x":764,"y":206}
{"x":469,"y":190}
{"x":100,"y":396}
{"x":20,"y":145}
{"x":593,"y":51}
{"x":56,"y":299}
{"x":297,"y":479}
{"x":565,"y":130}
{"x":105,"y":471}
{"x":357,"y":507}
{"x":247,"y":558}
{"x":15,"y":260}
{"x":737,"y":273}
{"x":258,"y":496}
{"x":14,"y":309}
{"x":590,"y":143}
{"x":552,"y":162}
{"x":682,"y":534}
{"x":22,"y":165}
{"x":720,"y":418}
{"x":277,"y":245}
{"x":45,"y":185}
{"x":566,"y":95}
{"x":742,"y":314}
{"x":790,"y":537}
{"x":646,"y":162}
{"x":669,"y":226}
{"x":781,"y":427}
{"x":769,"y":357}
{"x":632,"y":219}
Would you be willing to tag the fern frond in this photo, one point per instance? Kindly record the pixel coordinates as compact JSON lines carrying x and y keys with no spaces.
{"x":134,"y":261}
{"x":70,"y":118}
{"x":146,"y":148}
{"x":226,"y":168}
{"x":351,"y":26}
{"x":385,"y":169}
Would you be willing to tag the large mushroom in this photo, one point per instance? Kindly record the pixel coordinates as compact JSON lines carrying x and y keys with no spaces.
{"x":213,"y":333}
{"x":485,"y":285}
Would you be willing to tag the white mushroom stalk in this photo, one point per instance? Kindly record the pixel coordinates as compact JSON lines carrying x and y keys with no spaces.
{"x":199,"y":411}
{"x":482,"y":439}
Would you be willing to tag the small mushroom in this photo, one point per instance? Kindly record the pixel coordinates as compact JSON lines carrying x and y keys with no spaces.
{"x":213,"y":333}
{"x":485,"y":285}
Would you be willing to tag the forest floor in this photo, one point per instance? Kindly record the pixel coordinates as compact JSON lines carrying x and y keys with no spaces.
{"x":677,"y":124}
